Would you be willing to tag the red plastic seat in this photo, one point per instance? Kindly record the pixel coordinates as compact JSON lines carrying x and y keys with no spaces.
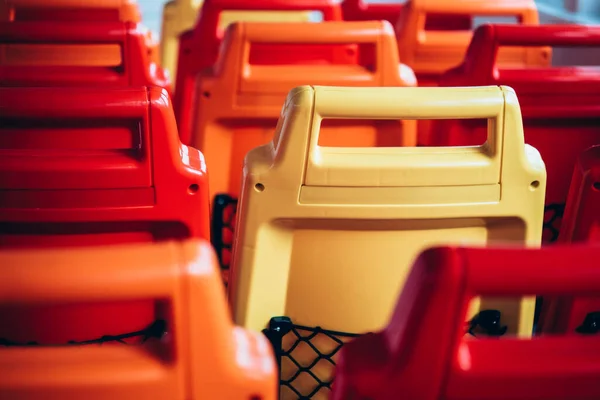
{"x":84,"y":166}
{"x":582,"y":212}
{"x":431,"y":51}
{"x":70,"y":10}
{"x":560,"y":105}
{"x":424,"y":354}
{"x":581,"y":223}
{"x":360,"y":10}
{"x":199,"y":48}
{"x":77,"y":53}
{"x":90,"y":11}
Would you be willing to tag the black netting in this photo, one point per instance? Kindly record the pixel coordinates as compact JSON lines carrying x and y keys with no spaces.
{"x":223,"y":223}
{"x":487,"y":323}
{"x":156,"y":330}
{"x":306,"y":357}
{"x":590,"y":325}
{"x":539,"y":300}
{"x":553,"y":214}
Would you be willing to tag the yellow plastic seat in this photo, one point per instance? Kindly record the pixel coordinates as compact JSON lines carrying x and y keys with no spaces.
{"x":178,"y":17}
{"x":326,"y":236}
{"x":229,"y":17}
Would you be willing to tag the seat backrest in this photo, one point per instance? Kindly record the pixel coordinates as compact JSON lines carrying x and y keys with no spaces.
{"x":426,"y":334}
{"x":560,"y":105}
{"x":361,"y":10}
{"x":190,"y":352}
{"x":582,"y":216}
{"x":581,"y":223}
{"x":78,"y":11}
{"x":316,"y":223}
{"x":178,"y":16}
{"x":199,"y":47}
{"x":96,"y":167}
{"x":431,"y":50}
{"x":75,"y":54}
{"x":229,"y":17}
{"x":104,"y":165}
{"x":70,"y":10}
{"x":238,"y":107}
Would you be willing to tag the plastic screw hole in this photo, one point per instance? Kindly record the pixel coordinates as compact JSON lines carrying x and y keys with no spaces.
{"x":534,"y":185}
{"x":206,"y":94}
{"x":259,"y":187}
{"x":193,"y":188}
{"x":255,"y":398}
{"x":596,"y":186}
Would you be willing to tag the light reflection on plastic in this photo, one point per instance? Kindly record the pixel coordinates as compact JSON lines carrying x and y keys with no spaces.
{"x":464,"y":357}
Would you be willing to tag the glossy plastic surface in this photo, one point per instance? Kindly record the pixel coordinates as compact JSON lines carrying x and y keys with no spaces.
{"x":581,"y":223}
{"x":178,"y":16}
{"x":426,"y":334}
{"x":318,"y":228}
{"x":78,"y":53}
{"x":430,"y":51}
{"x":560,"y":105}
{"x":201,"y":355}
{"x":70,"y":10}
{"x":229,"y":17}
{"x":77,"y":11}
{"x":582,"y":214}
{"x":95,"y":167}
{"x":199,"y":47}
{"x":361,"y":10}
{"x":238,"y":106}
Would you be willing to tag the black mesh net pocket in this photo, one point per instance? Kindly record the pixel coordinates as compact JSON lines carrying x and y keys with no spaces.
{"x":306,"y":357}
{"x":155,"y":330}
{"x":223,"y":224}
{"x":553,"y":214}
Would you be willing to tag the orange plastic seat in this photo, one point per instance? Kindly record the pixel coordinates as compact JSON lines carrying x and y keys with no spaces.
{"x":84,"y":166}
{"x":424,"y":353}
{"x":431,"y":50}
{"x":238,"y":105}
{"x":199,"y":47}
{"x":361,"y":10}
{"x":191,"y":351}
{"x":74,"y":54}
{"x":70,"y":10}
{"x":581,"y":223}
